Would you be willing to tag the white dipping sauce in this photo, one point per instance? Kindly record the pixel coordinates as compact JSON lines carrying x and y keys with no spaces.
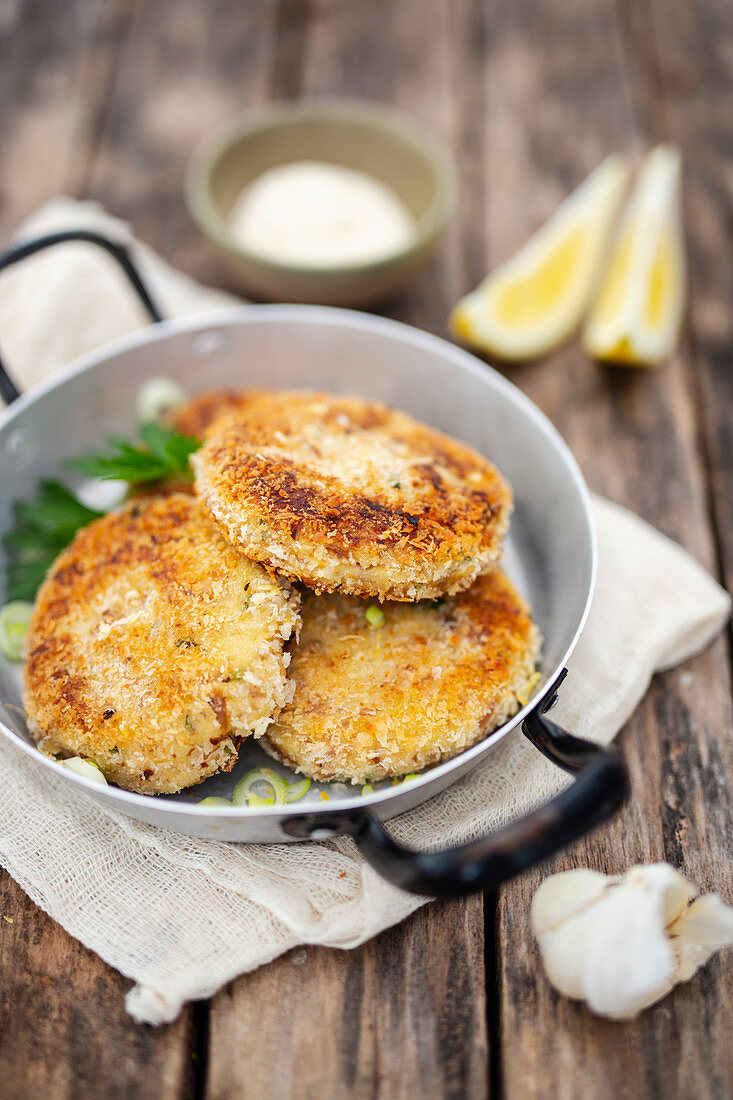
{"x":314,"y":214}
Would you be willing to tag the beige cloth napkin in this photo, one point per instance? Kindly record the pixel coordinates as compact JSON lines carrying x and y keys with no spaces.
{"x":181,"y":917}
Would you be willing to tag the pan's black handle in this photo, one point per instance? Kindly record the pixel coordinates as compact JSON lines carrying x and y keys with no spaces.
{"x":8,"y":390}
{"x":600,"y":790}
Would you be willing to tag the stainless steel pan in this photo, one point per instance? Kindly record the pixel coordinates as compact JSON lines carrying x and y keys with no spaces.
{"x":550,"y":554}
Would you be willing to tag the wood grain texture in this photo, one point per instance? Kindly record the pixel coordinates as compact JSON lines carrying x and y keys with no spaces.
{"x":406,"y":1014}
{"x":400,"y":1017}
{"x":638,"y":440}
{"x":64,"y":1031}
{"x":57,"y":67}
{"x":185,"y":70}
{"x":108,"y":99}
{"x":684,"y":51}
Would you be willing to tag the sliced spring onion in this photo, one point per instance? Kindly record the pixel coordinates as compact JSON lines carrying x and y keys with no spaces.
{"x":245,"y":790}
{"x":15,"y":618}
{"x":213,"y":800}
{"x":367,"y":789}
{"x":409,"y":776}
{"x":297,"y":790}
{"x":86,"y":768}
{"x":374,"y":615}
{"x":255,"y":800}
{"x":157,"y":399}
{"x":524,"y":694}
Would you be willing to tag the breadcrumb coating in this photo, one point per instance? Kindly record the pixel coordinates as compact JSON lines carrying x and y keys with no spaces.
{"x":387,"y":700}
{"x":351,"y":496}
{"x":155,"y":647}
{"x":198,"y":415}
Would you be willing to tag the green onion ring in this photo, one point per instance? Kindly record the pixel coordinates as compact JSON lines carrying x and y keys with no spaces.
{"x":296,"y":790}
{"x":15,"y":619}
{"x":85,"y":768}
{"x":244,"y":792}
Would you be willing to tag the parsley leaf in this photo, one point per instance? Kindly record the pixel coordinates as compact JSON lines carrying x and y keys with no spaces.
{"x":162,"y":454}
{"x":43,"y":528}
{"x":46,"y":525}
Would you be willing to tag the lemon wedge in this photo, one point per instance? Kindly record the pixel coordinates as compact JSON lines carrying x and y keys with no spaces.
{"x":534,"y":301}
{"x":637,"y":315}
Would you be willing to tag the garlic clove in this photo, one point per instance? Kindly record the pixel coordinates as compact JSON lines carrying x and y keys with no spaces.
{"x":707,"y":921}
{"x":688,"y":958}
{"x":623,"y":943}
{"x":629,"y":963}
{"x":698,"y":933}
{"x":673,"y":889}
{"x":561,"y":896}
{"x":565,"y":950}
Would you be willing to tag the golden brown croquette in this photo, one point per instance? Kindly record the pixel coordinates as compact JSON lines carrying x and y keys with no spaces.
{"x":155,"y":647}
{"x":347,"y":495}
{"x":425,"y":683}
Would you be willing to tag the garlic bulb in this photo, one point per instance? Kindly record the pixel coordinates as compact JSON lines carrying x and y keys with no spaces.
{"x":621,"y":943}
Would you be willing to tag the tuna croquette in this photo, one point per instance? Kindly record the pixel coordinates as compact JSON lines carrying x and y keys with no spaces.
{"x":424,"y":683}
{"x":351,"y":496}
{"x":155,"y":647}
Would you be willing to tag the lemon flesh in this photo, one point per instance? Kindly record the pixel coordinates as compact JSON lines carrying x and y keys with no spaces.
{"x":637,"y":315}
{"x":536,"y":300}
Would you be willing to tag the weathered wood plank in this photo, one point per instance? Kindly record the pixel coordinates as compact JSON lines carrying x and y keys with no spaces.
{"x":531,"y":95}
{"x":683,"y":51}
{"x":64,"y":1031}
{"x":404,"y":1015}
{"x":553,"y":112}
{"x":413,"y":57}
{"x":185,"y":70}
{"x":53,"y":84}
{"x":680,"y":812}
{"x":319,"y":1022}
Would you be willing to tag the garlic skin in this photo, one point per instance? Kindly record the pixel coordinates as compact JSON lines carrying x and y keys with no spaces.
{"x":621,"y":943}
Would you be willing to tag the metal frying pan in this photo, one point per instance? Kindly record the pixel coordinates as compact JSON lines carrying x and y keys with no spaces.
{"x":550,"y":555}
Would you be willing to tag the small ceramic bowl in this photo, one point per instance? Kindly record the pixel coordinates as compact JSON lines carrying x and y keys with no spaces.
{"x":368,"y":137}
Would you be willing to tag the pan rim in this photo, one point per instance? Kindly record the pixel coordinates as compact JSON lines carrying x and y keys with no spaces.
{"x":230,"y":316}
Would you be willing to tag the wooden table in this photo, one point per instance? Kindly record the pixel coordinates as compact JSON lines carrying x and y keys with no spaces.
{"x":107,"y":99}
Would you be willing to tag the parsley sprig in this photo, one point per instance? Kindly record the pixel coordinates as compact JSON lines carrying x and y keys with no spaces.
{"x":163,"y":455}
{"x":43,"y":528}
{"x":46,"y":525}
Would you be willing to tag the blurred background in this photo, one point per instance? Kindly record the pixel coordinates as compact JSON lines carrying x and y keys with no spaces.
{"x":109,"y":100}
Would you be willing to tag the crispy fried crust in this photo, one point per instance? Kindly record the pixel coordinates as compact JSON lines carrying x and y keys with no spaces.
{"x":200,"y":413}
{"x":372,"y":702}
{"x":349,"y":496}
{"x":155,"y":647}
